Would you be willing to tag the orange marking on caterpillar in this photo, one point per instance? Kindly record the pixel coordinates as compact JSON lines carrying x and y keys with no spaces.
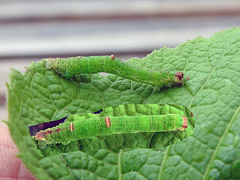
{"x":57,"y":130}
{"x":48,"y":132}
{"x":71,"y":127}
{"x":107,"y":121}
{"x":112,"y":56}
{"x":184,"y":126}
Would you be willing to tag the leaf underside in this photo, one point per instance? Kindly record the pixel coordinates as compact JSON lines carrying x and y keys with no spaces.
{"x":212,"y":93}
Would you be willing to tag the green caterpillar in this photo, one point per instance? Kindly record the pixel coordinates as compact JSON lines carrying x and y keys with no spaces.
{"x":110,"y":64}
{"x":120,"y":119}
{"x":82,"y":128}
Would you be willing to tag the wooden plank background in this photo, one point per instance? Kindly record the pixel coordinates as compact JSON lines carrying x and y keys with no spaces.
{"x":33,"y":30}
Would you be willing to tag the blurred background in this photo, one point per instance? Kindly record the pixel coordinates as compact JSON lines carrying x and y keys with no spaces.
{"x":33,"y":30}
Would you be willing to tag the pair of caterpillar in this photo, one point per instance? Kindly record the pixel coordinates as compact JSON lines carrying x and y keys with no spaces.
{"x":80,"y":126}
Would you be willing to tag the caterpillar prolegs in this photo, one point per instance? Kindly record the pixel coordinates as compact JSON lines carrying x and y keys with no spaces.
{"x":129,"y":118}
{"x":109,"y":64}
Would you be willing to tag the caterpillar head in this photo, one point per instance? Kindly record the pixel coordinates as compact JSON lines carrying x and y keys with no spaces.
{"x":179,"y":78}
{"x":50,"y":63}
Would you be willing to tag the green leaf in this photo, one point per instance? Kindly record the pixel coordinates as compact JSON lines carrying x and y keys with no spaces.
{"x":212,"y":93}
